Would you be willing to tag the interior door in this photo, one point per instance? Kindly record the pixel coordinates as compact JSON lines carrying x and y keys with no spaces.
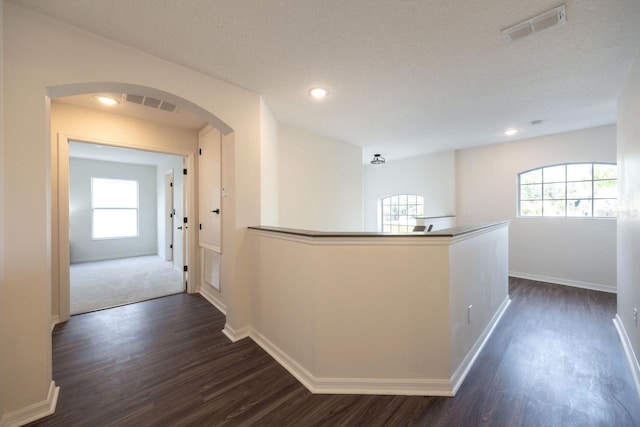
{"x":210,"y":213}
{"x":169,"y":214}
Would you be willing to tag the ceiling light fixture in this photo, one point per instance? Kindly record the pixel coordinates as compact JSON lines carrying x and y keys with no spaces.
{"x":107,"y":100}
{"x":378,"y":160}
{"x":318,"y":92}
{"x":510,"y":132}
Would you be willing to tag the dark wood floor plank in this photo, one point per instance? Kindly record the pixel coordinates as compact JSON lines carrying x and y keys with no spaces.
{"x":554,"y":360}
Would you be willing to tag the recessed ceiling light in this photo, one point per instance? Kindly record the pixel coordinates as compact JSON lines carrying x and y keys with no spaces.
{"x":510,"y":132}
{"x":318,"y":92}
{"x":107,"y":100}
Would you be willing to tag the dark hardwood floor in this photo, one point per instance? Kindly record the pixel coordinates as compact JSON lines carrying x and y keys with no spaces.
{"x":554,"y":360}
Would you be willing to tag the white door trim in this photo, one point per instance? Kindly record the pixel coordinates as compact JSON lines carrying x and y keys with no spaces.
{"x":60,"y":229}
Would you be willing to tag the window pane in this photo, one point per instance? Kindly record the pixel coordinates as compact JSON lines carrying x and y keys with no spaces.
{"x":579,"y":190}
{"x":553,"y":207}
{"x":601,"y":171}
{"x":605,"y":189}
{"x":399,"y":212}
{"x":531,"y":208}
{"x":605,"y":207}
{"x":532,"y":177}
{"x":573,"y":190}
{"x":114,"y":193}
{"x":580,"y":207}
{"x":109,"y":223}
{"x":554,"y":174}
{"x":531,"y":192}
{"x":554,"y":191}
{"x":579,"y":172}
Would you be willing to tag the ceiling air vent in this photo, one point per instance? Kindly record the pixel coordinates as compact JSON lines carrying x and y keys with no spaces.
{"x":536,"y":24}
{"x":147,"y":101}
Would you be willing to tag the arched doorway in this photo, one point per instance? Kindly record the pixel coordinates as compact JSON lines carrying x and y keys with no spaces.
{"x":60,"y":182}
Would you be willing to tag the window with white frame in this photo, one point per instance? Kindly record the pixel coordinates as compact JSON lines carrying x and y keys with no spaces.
{"x":399,"y":212}
{"x":569,"y":190}
{"x":114,"y":208}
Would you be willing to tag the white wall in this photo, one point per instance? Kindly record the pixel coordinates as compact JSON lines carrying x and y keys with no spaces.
{"x":41,"y":56}
{"x":573,"y":251}
{"x":321,"y":303}
{"x":82,"y":247}
{"x":319,"y":182}
{"x":431,"y":176}
{"x":268,"y":167}
{"x":629,"y":220}
{"x":3,"y":288}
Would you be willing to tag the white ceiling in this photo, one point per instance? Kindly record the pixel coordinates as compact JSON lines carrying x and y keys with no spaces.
{"x":181,"y":118}
{"x":405,"y":77}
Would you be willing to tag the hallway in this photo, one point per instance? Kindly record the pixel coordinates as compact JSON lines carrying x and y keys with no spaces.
{"x":553,"y":360}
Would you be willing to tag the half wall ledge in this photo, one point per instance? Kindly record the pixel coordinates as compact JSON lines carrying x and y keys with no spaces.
{"x":379,"y":313}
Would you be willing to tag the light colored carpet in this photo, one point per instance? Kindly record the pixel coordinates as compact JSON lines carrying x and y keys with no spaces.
{"x":102,"y":284}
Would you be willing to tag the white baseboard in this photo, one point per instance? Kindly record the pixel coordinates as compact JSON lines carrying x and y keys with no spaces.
{"x":234,"y":335}
{"x":574,"y":283}
{"x":387,"y":386}
{"x":400,"y":386}
{"x":110,"y":257}
{"x":33,"y":412}
{"x":54,"y":321}
{"x":207,"y":292}
{"x":634,"y":365}
{"x":461,"y":372}
{"x":283,"y":359}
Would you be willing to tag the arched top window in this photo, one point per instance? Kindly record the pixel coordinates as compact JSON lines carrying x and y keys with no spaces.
{"x":569,"y":190}
{"x":399,"y":212}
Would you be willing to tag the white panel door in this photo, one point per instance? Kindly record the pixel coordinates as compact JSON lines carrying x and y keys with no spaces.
{"x":168,"y":215}
{"x":209,"y":202}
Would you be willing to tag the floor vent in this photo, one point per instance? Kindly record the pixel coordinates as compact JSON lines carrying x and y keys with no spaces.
{"x":150,"y":102}
{"x":546,"y":20}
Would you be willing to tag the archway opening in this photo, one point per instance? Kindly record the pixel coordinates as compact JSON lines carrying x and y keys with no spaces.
{"x":60,"y":173}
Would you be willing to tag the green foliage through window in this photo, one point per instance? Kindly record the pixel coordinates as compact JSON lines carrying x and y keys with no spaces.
{"x":569,"y":190}
{"x":399,"y":212}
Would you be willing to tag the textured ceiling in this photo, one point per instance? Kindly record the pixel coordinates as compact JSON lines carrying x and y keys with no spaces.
{"x":405,"y":77}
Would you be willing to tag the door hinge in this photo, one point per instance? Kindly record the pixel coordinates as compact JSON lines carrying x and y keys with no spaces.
{"x":170,"y":246}
{"x":171,"y":184}
{"x":184,"y":220}
{"x":200,"y":151}
{"x":200,"y":226}
{"x":184,"y":171}
{"x":186,"y":268}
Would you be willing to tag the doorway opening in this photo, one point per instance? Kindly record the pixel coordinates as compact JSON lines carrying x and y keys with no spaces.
{"x":139,"y":127}
{"x":126,"y":242}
